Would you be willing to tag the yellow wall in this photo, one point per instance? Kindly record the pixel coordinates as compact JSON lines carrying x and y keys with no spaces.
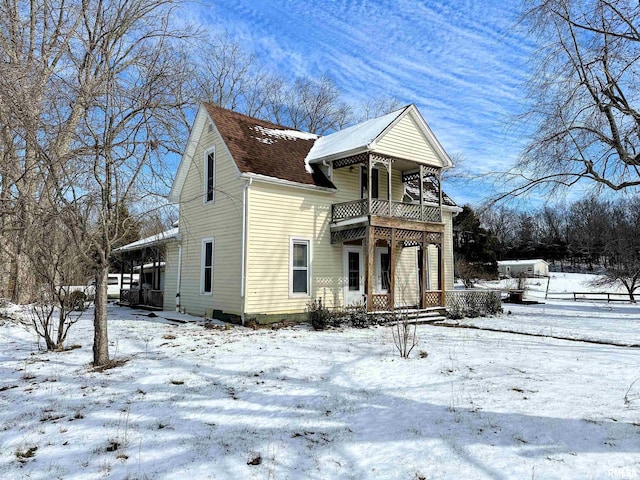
{"x":221,"y":220}
{"x":275,"y":214}
{"x":406,"y":140}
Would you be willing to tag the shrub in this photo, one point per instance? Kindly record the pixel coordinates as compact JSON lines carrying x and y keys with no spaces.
{"x":319,"y":316}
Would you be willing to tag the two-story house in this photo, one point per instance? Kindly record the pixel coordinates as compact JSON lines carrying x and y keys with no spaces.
{"x":272,"y":218}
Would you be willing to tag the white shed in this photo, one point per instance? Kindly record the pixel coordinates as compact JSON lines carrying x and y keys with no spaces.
{"x":531,"y":268}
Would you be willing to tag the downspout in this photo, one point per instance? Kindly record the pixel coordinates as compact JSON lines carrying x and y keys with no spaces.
{"x":245,"y":233}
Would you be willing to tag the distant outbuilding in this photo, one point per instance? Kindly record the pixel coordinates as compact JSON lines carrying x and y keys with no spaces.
{"x":530,"y":268}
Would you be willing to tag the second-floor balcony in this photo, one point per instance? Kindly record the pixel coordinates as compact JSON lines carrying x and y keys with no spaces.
{"x":385,"y":208}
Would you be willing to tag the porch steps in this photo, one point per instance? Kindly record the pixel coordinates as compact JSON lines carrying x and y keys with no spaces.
{"x":424,"y":316}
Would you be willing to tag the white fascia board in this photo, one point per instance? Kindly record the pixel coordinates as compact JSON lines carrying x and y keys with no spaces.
{"x":201,"y":121}
{"x":187,"y":156}
{"x":426,"y":131}
{"x":287,"y":183}
{"x":340,"y":155}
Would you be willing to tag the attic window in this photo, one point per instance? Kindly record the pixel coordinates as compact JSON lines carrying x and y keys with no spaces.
{"x":209,"y":175}
{"x":210,"y":128}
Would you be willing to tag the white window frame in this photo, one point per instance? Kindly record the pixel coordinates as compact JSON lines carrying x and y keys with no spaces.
{"x":205,"y":186}
{"x":292,"y":242}
{"x":203,"y":251}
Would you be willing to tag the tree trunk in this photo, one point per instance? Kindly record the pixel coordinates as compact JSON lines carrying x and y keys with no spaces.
{"x":100,"y":337}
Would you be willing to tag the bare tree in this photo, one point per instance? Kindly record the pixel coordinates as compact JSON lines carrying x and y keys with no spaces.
{"x":377,"y":107}
{"x":92,"y":97}
{"x":584,"y":95}
{"x":622,"y":246}
{"x":310,"y":105}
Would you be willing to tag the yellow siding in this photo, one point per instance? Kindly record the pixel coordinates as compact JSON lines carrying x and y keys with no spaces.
{"x":407,"y":291}
{"x":222,"y":221}
{"x":406,"y":140}
{"x":276,"y":213}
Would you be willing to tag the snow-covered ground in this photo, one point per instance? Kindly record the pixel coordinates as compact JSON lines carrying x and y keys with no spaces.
{"x":195,"y":402}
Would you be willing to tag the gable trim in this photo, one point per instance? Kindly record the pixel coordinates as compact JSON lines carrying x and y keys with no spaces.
{"x":199,"y":124}
{"x":425,"y":130}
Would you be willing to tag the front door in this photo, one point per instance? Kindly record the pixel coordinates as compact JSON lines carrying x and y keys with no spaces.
{"x":353,"y":264}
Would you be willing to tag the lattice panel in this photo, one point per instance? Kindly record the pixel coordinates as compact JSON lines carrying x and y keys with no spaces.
{"x":432,"y":298}
{"x":431,"y":214}
{"x":349,"y":234}
{"x":356,"y":208}
{"x":380,"y":302}
{"x":408,"y":235}
{"x":382,"y":232}
{"x":473,"y":303}
{"x":129,"y":296}
{"x":433,"y":237}
{"x":345,"y":162}
{"x":406,"y":210}
{"x":379,"y":159}
{"x":380,"y":207}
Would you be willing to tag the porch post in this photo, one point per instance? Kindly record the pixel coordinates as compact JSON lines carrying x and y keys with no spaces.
{"x":392,"y":270}
{"x":368,"y":269}
{"x":389,"y":197}
{"x":441,"y":280}
{"x":440,"y":194}
{"x":369,"y":171}
{"x":421,"y":193}
{"x":423,"y":293}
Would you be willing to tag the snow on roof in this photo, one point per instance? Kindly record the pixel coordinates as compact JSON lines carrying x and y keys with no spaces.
{"x":159,"y":238}
{"x":352,"y":138}
{"x":520,"y":262}
{"x":285,"y":134}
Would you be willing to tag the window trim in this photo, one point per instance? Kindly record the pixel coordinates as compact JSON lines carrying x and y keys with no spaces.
{"x":205,"y":185}
{"x":300,"y":240}
{"x":203,"y":251}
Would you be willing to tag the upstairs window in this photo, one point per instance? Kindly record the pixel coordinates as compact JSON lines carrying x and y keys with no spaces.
{"x":209,"y":175}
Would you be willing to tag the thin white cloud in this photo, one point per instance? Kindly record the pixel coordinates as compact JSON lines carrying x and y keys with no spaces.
{"x":463,"y":63}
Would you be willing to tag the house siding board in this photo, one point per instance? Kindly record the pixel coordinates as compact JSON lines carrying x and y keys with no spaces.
{"x":300,"y":214}
{"x":406,"y":140}
{"x":222,"y":221}
{"x":407,"y":291}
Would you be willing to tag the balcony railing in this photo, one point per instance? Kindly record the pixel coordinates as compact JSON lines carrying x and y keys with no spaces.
{"x":384,"y":208}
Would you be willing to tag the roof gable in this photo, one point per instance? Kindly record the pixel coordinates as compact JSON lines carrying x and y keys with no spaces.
{"x":257,"y":147}
{"x":265,"y":148}
{"x":351,"y":140}
{"x":402,"y":133}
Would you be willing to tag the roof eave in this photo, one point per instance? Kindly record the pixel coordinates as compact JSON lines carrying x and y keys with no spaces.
{"x":288,"y":183}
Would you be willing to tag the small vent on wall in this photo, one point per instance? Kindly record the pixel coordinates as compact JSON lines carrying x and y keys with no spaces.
{"x":210,"y":128}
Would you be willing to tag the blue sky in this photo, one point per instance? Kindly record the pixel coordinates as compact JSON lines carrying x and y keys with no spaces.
{"x":463,"y":63}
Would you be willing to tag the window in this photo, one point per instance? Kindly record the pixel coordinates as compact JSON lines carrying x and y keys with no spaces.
{"x":206,"y":276}
{"x":354,"y":271}
{"x":375,"y":182}
{"x":209,"y":175}
{"x":300,"y":275}
{"x":385,"y":271}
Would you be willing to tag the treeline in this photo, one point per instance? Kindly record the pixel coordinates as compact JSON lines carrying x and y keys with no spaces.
{"x":589,"y":234}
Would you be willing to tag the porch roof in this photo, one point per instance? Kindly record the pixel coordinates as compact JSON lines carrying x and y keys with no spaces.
{"x":353,"y":139}
{"x":158,"y":239}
